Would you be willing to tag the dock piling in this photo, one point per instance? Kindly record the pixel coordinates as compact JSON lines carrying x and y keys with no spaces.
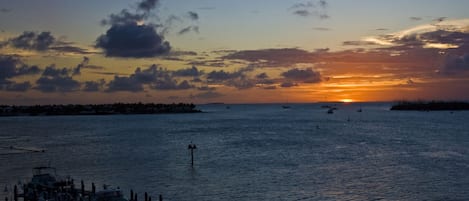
{"x":131,"y":195}
{"x":93,"y":188}
{"x":146,"y":196}
{"x":15,"y":193}
{"x":192,"y":146}
{"x":82,"y":188}
{"x":161,"y":197}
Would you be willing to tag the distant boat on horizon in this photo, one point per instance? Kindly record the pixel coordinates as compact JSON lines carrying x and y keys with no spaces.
{"x":286,"y":106}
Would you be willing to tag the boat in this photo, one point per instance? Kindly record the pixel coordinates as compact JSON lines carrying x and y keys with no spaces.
{"x":330,"y":111}
{"x":286,"y":106}
{"x":360,"y":110}
{"x":109,"y":195}
{"x":43,"y":177}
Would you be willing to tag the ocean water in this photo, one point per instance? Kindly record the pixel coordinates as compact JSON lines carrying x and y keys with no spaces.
{"x":251,"y":152}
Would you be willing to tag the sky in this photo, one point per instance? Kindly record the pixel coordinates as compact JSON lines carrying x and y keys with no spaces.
{"x":256,"y":51}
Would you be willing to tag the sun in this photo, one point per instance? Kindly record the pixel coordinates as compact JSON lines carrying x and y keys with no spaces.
{"x":346,"y":100}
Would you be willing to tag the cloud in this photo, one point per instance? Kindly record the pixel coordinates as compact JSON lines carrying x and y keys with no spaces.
{"x":167,"y":83}
{"x":415,"y":18}
{"x":274,"y":57}
{"x":288,"y":84}
{"x":93,"y":86}
{"x":70,"y":49}
{"x":188,"y":72}
{"x":153,"y":77}
{"x":446,"y":34}
{"x":84,"y":62}
{"x":18,"y":87}
{"x":220,"y":76}
{"x":262,"y":76}
{"x":307,"y":75}
{"x":439,"y":19}
{"x":188,"y":29}
{"x":56,"y":80}
{"x":193,"y":15}
{"x":42,"y":41}
{"x":148,"y":5}
{"x":124,"y":84}
{"x":241,"y":83}
{"x":454,"y":64}
{"x":358,"y":43}
{"x":33,"y":41}
{"x":316,"y":9}
{"x":12,"y":66}
{"x":132,"y":40}
{"x":129,"y":36}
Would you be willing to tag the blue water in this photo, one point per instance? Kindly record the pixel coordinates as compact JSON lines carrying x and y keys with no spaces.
{"x":252,"y":152}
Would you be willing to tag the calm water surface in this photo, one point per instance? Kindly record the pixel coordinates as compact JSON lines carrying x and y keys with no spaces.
{"x":252,"y":152}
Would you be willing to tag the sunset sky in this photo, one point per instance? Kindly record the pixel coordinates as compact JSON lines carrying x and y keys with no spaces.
{"x":256,"y":51}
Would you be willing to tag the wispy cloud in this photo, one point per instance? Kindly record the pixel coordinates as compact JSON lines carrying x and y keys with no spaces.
{"x":316,"y":9}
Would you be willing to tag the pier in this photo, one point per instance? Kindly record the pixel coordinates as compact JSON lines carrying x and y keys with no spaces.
{"x":45,"y":186}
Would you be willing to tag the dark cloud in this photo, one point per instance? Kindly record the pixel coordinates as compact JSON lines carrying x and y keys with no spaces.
{"x":70,"y":49}
{"x":33,"y":41}
{"x":129,"y":37}
{"x":193,"y":15}
{"x":43,"y":41}
{"x":415,"y":18}
{"x":52,"y":71}
{"x":220,"y":76}
{"x":262,"y":76}
{"x":167,"y":83}
{"x":93,"y":86}
{"x":56,"y":80}
{"x":307,"y":75}
{"x":311,"y":8}
{"x":189,"y":29}
{"x":381,"y":29}
{"x":237,"y":79}
{"x":18,"y":87}
{"x":439,"y":19}
{"x":274,"y":57}
{"x":211,"y":63}
{"x":153,"y":77}
{"x":12,"y":66}
{"x":288,"y":84}
{"x":132,"y":40}
{"x":84,"y":62}
{"x":454,"y":64}
{"x":188,"y":72}
{"x":303,"y":13}
{"x":147,"y":5}
{"x":241,"y":83}
{"x":124,"y":84}
{"x":123,"y":18}
{"x":358,"y":43}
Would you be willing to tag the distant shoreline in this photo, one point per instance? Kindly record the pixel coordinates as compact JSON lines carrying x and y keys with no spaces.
{"x":98,"y":109}
{"x":430,"y":105}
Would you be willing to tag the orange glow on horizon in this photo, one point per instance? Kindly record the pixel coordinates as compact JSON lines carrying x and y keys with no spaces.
{"x":346,"y":100}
